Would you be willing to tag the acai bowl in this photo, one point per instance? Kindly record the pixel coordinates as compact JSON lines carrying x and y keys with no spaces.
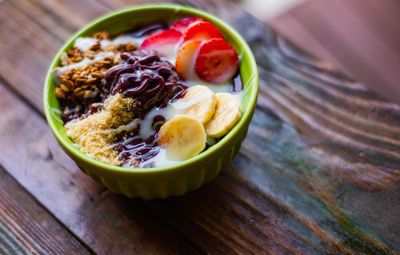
{"x":152,"y":101}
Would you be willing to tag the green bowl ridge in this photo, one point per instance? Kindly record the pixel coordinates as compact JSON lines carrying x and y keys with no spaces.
{"x":159,"y":182}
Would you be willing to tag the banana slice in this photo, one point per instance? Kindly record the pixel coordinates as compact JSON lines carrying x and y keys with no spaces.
{"x":201,"y":103}
{"x":182,"y":137}
{"x":227,"y":114}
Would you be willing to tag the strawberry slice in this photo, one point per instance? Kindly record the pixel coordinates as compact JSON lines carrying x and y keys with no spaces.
{"x":217,"y":61}
{"x":182,"y":24}
{"x":165,"y":42}
{"x":186,"y":58}
{"x":203,"y":30}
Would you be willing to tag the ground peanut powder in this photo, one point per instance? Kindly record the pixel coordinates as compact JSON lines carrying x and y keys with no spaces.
{"x":96,"y":133}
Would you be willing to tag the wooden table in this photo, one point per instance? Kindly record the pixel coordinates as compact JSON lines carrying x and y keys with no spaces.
{"x":318,"y":172}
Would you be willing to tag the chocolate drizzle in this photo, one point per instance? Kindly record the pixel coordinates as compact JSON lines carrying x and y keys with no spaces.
{"x":152,"y":82}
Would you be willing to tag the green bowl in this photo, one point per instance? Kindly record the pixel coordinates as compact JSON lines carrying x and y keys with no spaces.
{"x":174,"y":180}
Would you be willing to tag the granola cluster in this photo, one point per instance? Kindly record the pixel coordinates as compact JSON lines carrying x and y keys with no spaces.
{"x":79,"y":88}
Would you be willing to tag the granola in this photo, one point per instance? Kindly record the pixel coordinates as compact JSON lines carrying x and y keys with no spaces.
{"x":80,"y":87}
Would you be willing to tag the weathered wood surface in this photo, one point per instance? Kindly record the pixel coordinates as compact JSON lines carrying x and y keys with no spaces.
{"x":25,"y":227}
{"x":318,"y":173}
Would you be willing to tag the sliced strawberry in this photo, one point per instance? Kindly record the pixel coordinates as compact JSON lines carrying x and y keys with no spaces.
{"x":186,"y":58}
{"x":164,"y":42}
{"x":182,"y":24}
{"x":217,"y":61}
{"x":203,"y":30}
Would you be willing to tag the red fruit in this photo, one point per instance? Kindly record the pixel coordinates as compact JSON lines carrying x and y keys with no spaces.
{"x":217,"y":61}
{"x":201,"y":31}
{"x":182,"y":24}
{"x":186,"y":58}
{"x":164,"y":42}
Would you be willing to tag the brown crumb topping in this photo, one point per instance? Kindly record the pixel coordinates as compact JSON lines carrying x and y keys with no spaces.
{"x":96,"y":133}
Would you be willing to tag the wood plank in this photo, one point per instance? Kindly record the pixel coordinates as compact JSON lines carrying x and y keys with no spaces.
{"x":69,"y":15}
{"x":27,"y":228}
{"x":290,"y":190}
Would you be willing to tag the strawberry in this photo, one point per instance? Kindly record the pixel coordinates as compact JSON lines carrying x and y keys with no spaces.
{"x":182,"y":24}
{"x":186,"y":58}
{"x":203,"y":30}
{"x":165,"y":42}
{"x":217,"y":61}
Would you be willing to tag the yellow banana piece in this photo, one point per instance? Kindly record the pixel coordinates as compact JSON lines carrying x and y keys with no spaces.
{"x":227,"y":114}
{"x":182,"y":137}
{"x":201,"y":101}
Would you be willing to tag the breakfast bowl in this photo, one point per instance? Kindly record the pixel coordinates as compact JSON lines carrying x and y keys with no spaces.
{"x":169,"y":180}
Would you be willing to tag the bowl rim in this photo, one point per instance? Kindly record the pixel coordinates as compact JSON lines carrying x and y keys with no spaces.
{"x":246,"y":117}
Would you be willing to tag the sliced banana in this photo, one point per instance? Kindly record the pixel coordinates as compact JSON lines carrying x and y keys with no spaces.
{"x":201,"y":103}
{"x":227,"y":114}
{"x":182,"y":137}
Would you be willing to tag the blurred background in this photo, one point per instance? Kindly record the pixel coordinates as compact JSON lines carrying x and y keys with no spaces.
{"x":360,"y":37}
{"x":269,"y":9}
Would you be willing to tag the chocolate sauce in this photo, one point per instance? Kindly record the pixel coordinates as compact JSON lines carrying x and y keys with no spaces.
{"x":152,"y":82}
{"x":132,"y":148}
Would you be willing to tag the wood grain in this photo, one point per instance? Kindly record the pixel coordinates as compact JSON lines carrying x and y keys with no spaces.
{"x":26,"y":227}
{"x":318,"y":172}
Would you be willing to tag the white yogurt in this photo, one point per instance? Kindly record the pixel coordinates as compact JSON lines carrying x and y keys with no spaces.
{"x":84,"y":62}
{"x":146,"y":129}
{"x":160,"y":160}
{"x":85,"y":43}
